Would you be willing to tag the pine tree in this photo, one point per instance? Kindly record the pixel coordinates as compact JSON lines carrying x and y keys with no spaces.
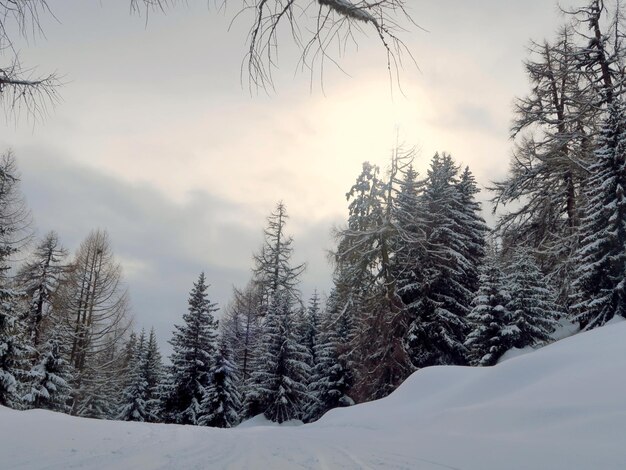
{"x":310,"y":328}
{"x":330,"y":379}
{"x":281,"y":373}
{"x":133,"y":404}
{"x":13,"y":350}
{"x":194,"y":345}
{"x":277,"y":385}
{"x":221,"y":405}
{"x":474,"y":229}
{"x":599,"y":286}
{"x":13,"y":347}
{"x":152,"y":373}
{"x":51,"y":376}
{"x":493,"y":328}
{"x":100,"y":385}
{"x":438,"y":313}
{"x":532,"y":303}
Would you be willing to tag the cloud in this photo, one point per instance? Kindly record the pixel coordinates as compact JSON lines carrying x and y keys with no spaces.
{"x":162,"y":244}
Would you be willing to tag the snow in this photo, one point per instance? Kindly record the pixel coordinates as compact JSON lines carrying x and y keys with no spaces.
{"x":560,"y":407}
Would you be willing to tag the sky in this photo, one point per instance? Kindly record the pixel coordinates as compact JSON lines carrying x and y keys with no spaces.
{"x":157,"y":140}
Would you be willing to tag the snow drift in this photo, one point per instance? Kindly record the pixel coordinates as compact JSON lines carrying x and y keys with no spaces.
{"x":561,"y":407}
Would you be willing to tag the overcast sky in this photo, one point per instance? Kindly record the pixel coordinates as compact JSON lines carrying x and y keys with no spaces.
{"x":156,"y":140}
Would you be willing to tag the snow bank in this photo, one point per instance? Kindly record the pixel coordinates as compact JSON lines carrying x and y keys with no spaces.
{"x":561,"y":407}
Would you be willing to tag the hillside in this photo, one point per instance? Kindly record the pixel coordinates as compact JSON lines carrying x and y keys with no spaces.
{"x":561,"y":407}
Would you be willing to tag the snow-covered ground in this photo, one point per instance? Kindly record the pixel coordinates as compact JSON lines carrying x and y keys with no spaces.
{"x":561,"y":407}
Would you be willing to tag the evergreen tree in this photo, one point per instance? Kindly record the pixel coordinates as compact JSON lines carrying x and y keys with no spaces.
{"x":133,"y":404}
{"x":96,"y":396}
{"x":277,"y":385}
{"x":221,"y":405}
{"x":599,"y":286}
{"x":13,"y":348}
{"x":330,"y":379}
{"x":474,"y":229}
{"x":194,"y":345}
{"x":51,"y":376}
{"x":493,"y":328}
{"x":308,"y":328}
{"x":438,"y":328}
{"x":152,"y":374}
{"x":531,"y":302}
{"x":281,"y":374}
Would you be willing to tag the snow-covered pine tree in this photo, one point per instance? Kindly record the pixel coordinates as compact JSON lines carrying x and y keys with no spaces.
{"x":14,"y":217}
{"x":474,"y":229}
{"x":330,"y":379}
{"x":308,"y":327}
{"x":133,"y":404}
{"x":439,"y":325}
{"x":600,"y":282}
{"x":152,"y":373}
{"x":493,"y":328}
{"x":221,"y":405}
{"x":194,"y":345}
{"x":241,"y":328}
{"x":13,"y":349}
{"x":532,"y":302}
{"x":280,"y":368}
{"x":98,"y":393}
{"x":279,"y":381}
{"x":39,"y":279}
{"x":51,"y":375}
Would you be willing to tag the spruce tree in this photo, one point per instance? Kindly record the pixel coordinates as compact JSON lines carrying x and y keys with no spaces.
{"x":133,"y":404}
{"x":194,"y":345}
{"x":96,"y":396}
{"x":310,"y":328}
{"x":14,"y":219}
{"x":152,"y":373}
{"x":330,"y":379}
{"x":532,"y":302}
{"x":277,"y":385}
{"x":13,"y":350}
{"x":281,"y":374}
{"x":493,"y":330}
{"x":599,"y":286}
{"x":221,"y":405}
{"x":438,"y":313}
{"x":473,"y":229}
{"x":51,"y":376}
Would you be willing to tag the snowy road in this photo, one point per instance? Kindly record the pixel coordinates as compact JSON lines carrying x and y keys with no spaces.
{"x":561,"y":407}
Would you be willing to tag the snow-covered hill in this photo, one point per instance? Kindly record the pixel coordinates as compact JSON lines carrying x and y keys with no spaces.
{"x":562,"y":407}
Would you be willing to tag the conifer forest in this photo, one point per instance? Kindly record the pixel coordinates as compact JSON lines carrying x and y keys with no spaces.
{"x":431,"y":265}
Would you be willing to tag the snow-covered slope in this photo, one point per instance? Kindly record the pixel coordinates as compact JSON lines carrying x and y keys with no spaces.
{"x":561,"y":407}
